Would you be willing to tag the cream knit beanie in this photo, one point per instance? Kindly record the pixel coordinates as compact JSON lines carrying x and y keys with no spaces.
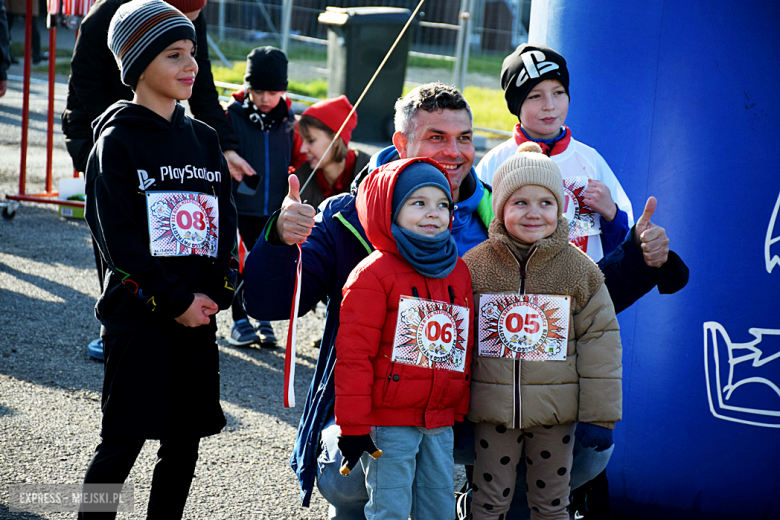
{"x":528,"y":166}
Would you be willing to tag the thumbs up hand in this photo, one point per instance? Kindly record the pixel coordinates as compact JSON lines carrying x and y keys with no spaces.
{"x":296,"y":220}
{"x":651,"y":239}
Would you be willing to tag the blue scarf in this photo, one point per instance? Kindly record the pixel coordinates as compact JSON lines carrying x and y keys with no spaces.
{"x":434,"y":257}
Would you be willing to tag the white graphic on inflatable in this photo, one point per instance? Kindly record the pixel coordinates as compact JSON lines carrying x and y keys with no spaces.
{"x":743,"y":379}
{"x":772,"y":260}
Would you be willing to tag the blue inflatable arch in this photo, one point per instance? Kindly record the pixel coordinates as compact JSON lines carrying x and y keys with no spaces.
{"x":681,"y":99}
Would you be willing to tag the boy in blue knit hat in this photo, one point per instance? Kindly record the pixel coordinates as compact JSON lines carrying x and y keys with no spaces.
{"x":404,"y":346}
{"x":160,"y":209}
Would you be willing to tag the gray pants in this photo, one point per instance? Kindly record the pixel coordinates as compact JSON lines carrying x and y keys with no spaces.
{"x":548,"y":451}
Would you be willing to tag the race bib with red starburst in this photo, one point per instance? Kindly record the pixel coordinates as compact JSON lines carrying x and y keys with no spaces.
{"x":431,"y":334}
{"x":182,"y":223}
{"x":583,"y":221}
{"x":531,"y":326}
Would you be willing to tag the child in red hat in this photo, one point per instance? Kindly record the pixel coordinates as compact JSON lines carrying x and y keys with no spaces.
{"x":316,"y":128}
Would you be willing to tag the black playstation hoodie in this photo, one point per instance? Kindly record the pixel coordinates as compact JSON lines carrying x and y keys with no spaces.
{"x":160,"y":208}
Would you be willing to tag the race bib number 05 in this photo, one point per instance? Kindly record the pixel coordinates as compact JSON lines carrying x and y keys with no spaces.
{"x":182,"y":223}
{"x":431,"y":334}
{"x":531,"y":326}
{"x":583,"y":221}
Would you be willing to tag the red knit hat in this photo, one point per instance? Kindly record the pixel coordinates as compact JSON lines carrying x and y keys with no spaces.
{"x":332,"y":113}
{"x":187,"y":6}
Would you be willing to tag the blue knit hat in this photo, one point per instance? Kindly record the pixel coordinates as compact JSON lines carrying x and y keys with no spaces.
{"x":415,"y":176}
{"x":142,"y":29}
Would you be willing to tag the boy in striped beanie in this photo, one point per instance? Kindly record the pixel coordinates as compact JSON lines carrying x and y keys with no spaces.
{"x":160,"y":210}
{"x":142,"y":29}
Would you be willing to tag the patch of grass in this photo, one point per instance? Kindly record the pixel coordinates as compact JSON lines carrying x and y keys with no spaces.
{"x":237,"y":50}
{"x":17,"y":50}
{"x":429,"y":63}
{"x":484,"y":64}
{"x":490,"y":65}
{"x":487,"y":105}
{"x":317,"y":88}
{"x":489,"y":108}
{"x":61,"y":68}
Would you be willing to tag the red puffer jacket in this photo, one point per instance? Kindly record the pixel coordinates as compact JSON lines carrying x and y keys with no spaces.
{"x":371,"y":389}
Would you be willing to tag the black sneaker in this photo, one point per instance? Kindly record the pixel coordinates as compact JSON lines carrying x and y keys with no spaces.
{"x":243,"y":334}
{"x":266,"y":333}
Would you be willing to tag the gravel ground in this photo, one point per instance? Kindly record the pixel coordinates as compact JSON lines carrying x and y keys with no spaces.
{"x":50,"y":389}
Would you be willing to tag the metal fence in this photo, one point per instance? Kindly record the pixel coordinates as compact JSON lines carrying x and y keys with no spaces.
{"x":459,"y":41}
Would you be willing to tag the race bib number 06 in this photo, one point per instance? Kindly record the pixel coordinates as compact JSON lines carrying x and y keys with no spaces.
{"x":431,"y":334}
{"x":182,"y":223}
{"x":531,"y":326}
{"x":583,"y":221}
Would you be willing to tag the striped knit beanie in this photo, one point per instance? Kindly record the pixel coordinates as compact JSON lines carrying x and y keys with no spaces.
{"x":142,"y":29}
{"x":528,"y":166}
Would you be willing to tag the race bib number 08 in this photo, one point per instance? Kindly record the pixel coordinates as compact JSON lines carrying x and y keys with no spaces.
{"x":583,"y":221}
{"x":182,"y":223}
{"x":532,"y":326}
{"x":431,"y":334}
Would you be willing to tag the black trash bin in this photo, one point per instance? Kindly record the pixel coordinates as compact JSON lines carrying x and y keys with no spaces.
{"x":358,"y":39}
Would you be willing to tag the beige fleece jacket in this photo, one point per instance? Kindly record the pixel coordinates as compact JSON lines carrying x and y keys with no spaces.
{"x":587,"y":386}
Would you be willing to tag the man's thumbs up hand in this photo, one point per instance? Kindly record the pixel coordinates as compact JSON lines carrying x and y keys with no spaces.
{"x":651,"y":239}
{"x":296,"y":220}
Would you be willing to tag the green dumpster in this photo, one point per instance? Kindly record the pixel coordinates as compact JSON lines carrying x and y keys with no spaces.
{"x":358,"y":39}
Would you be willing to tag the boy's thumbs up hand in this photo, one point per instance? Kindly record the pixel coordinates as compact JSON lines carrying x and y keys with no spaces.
{"x":296,"y":220}
{"x":352,"y":448}
{"x":651,"y":239}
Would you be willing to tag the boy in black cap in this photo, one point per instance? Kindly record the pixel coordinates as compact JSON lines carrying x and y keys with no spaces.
{"x":535,"y":80}
{"x":262,"y":117}
{"x":160,"y":210}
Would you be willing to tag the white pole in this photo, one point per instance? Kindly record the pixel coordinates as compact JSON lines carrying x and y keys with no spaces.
{"x":221,"y":20}
{"x":464,"y":4}
{"x":466,"y":44}
{"x":286,"y":18}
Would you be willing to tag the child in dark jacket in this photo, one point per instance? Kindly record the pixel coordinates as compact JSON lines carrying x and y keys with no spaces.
{"x":160,"y":210}
{"x":262,"y":118}
{"x":404,"y":346}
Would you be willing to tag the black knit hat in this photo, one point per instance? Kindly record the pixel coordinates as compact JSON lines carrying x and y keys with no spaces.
{"x":266,"y":69}
{"x":525,"y":68}
{"x":142,"y":29}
